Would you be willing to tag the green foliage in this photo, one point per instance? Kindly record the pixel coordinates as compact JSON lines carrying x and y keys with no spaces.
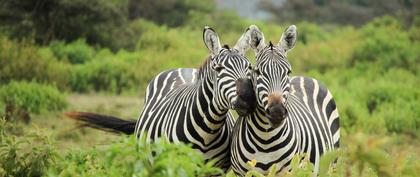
{"x":76,"y":52}
{"x":362,"y":155}
{"x":32,"y":97}
{"x":30,"y":155}
{"x":24,"y":61}
{"x":2,"y":111}
{"x":98,"y":21}
{"x":372,"y":71}
{"x":133,"y":158}
{"x":387,"y":44}
{"x":113,"y":75}
{"x":365,"y":155}
{"x":310,"y":32}
{"x":374,"y":84}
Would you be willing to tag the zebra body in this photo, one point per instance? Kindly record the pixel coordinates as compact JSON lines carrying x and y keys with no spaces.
{"x":312,"y":128}
{"x":177,"y":106}
{"x":192,"y":105}
{"x":294,"y":115}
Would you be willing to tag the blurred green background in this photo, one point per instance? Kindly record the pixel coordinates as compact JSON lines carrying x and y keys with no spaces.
{"x":99,"y":55}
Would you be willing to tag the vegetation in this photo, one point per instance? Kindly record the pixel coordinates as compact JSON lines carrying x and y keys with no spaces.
{"x":365,"y":156}
{"x":131,"y":157}
{"x":107,"y":50}
{"x":32,"y":97}
{"x":28,"y":154}
{"x":354,"y":12}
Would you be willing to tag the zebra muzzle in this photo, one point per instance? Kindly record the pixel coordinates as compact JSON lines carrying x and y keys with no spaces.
{"x":246,"y":99}
{"x":277,"y":114}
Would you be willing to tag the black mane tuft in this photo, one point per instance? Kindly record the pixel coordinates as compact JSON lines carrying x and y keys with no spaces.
{"x":226,"y":46}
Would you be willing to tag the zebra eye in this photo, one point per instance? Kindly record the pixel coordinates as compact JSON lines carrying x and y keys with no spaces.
{"x":257,"y":71}
{"x":219,"y":68}
{"x":288,"y":72}
{"x":250,"y":67}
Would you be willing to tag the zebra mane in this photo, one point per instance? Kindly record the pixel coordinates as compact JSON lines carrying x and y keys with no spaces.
{"x":226,"y":46}
{"x":271,"y":45}
{"x":203,"y":66}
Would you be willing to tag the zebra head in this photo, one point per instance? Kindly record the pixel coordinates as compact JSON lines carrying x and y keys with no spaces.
{"x":271,"y":73}
{"x":231,"y":73}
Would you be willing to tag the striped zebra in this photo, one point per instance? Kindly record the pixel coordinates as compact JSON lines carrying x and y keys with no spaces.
{"x":192,"y":105}
{"x":294,"y":115}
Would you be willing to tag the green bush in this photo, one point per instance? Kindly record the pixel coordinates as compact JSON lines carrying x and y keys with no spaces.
{"x":112,"y":75}
{"x":29,"y":155}
{"x":373,"y":102}
{"x":323,"y":53}
{"x":133,"y":158}
{"x":24,"y":61}
{"x":2,"y":111}
{"x":384,"y":42}
{"x":75,"y":52}
{"x":32,"y":97}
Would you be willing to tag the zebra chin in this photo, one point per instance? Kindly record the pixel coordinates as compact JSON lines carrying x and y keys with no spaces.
{"x":243,"y":106}
{"x":242,"y":109}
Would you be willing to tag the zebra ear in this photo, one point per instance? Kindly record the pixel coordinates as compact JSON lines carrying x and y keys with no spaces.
{"x":211,"y":40}
{"x":288,"y":38}
{"x":256,"y":41}
{"x":243,"y":43}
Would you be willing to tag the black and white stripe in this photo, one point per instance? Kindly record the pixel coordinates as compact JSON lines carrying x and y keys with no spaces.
{"x":192,"y":106}
{"x":294,"y":114}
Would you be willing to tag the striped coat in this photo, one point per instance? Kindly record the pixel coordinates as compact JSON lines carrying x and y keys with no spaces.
{"x":294,"y":115}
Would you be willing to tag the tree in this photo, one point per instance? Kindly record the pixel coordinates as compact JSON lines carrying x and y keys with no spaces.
{"x":354,"y":12}
{"x":47,"y":20}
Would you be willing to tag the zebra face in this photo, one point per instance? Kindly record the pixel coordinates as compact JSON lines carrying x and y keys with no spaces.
{"x":271,"y":74}
{"x":233,"y":83}
{"x":231,"y":71}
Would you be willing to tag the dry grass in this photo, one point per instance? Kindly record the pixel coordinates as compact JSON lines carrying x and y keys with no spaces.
{"x":67,"y":132}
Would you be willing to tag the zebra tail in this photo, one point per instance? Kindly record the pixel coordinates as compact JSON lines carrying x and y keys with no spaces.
{"x":103,"y":122}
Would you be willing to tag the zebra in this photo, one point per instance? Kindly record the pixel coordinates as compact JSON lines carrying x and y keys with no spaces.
{"x":294,"y":115}
{"x":192,"y":105}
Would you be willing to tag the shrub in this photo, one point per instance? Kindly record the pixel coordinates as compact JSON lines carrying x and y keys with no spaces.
{"x":32,"y":97}
{"x":310,"y":32}
{"x":29,"y":155}
{"x":2,"y":113}
{"x":76,"y":52}
{"x":133,"y":158}
{"x":24,"y":61}
{"x":113,"y":75}
{"x":386,"y":43}
{"x":323,"y":53}
{"x":372,"y":102}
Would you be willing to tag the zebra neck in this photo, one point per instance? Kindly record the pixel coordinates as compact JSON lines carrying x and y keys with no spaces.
{"x":211,"y":114}
{"x":259,"y":123}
